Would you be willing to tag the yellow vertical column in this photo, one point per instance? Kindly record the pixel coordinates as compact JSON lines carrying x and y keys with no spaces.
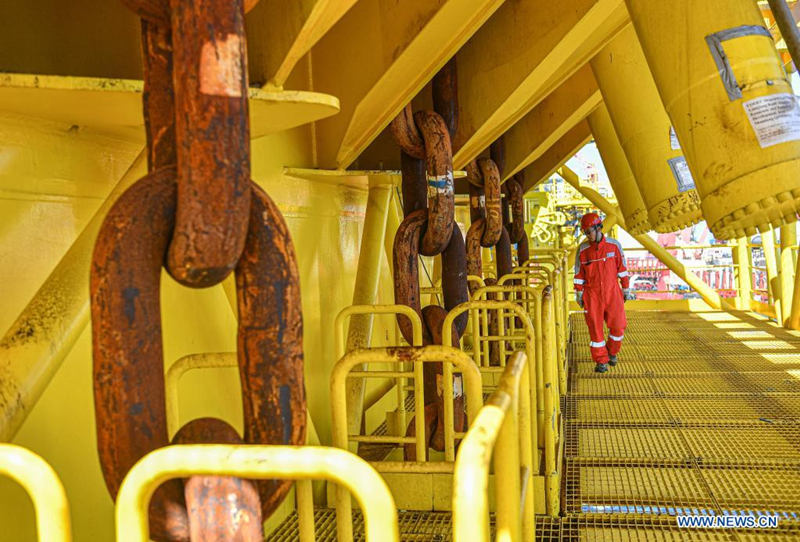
{"x":743,"y":271}
{"x":366,"y":287}
{"x":773,"y":285}
{"x":788,"y":234}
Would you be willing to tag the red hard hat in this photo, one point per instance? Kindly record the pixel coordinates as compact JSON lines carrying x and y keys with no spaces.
{"x":589,"y":220}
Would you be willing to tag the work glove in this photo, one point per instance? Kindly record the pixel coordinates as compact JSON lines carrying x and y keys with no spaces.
{"x":579,"y":298}
{"x":628,"y":294}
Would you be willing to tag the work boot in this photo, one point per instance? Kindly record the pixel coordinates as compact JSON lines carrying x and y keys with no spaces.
{"x":612,"y":359}
{"x":601,"y":368}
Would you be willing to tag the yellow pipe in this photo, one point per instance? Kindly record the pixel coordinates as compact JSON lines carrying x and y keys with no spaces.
{"x":255,"y":462}
{"x":773,"y":284}
{"x":44,"y":488}
{"x":619,"y":172}
{"x":43,"y":334}
{"x":741,"y":262}
{"x":365,"y":291}
{"x":725,"y":89}
{"x":788,"y":233}
{"x":708,"y":294}
{"x":643,"y":129}
{"x":551,"y":399}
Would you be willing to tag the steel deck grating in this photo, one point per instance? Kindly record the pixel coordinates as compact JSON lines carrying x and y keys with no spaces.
{"x":702,"y":413}
{"x":415,"y":526}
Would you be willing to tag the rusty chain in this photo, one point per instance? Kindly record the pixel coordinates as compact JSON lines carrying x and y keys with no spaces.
{"x":515,"y":223}
{"x":429,"y":228}
{"x":135,"y":242}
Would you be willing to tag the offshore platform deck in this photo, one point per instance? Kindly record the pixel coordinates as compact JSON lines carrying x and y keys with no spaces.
{"x":701,"y":416}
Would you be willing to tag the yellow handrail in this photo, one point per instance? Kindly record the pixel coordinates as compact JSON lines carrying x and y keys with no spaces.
{"x":449,"y":357}
{"x":498,"y":431}
{"x":214,"y":360}
{"x":255,"y":462}
{"x":347,"y":312}
{"x":43,"y":486}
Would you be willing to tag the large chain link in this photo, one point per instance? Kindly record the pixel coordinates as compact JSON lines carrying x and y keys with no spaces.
{"x":430,"y":229}
{"x":196,"y":118}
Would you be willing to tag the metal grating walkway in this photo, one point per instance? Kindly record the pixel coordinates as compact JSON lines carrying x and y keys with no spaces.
{"x":701,"y":416}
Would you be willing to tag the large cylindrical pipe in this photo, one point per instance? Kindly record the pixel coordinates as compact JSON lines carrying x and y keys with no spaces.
{"x":645,"y":134}
{"x":619,"y":171}
{"x":725,"y":89}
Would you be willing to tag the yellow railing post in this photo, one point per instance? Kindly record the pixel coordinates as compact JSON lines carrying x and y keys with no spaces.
{"x":773,"y":284}
{"x":743,"y":271}
{"x":788,"y":233}
{"x":551,"y":406}
{"x":255,"y":462}
{"x":44,"y":488}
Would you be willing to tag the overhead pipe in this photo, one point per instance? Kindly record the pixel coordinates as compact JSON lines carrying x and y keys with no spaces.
{"x":709,"y":295}
{"x":723,"y":85}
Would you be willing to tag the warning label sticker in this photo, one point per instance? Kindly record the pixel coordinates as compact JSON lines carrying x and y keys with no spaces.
{"x":680,"y":170}
{"x":775,"y":118}
{"x":673,"y":140}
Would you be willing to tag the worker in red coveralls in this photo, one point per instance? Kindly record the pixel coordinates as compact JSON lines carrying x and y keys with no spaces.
{"x":599,"y":272}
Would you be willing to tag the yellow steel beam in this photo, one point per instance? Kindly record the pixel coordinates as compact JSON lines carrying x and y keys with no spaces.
{"x":708,"y":294}
{"x":546,"y":123}
{"x":561,"y":151}
{"x":32,"y":349}
{"x":366,"y":288}
{"x":391,"y":49}
{"x":279,"y":33}
{"x":519,"y":56}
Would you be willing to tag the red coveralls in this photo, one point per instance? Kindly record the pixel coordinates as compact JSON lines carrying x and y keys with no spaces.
{"x":598,"y":267}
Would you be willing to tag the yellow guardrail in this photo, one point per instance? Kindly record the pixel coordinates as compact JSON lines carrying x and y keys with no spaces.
{"x":452,"y":359}
{"x":255,"y":462}
{"x":340,"y":337}
{"x":43,"y":486}
{"x":543,"y":385}
{"x":497,"y":435}
{"x":214,"y":360}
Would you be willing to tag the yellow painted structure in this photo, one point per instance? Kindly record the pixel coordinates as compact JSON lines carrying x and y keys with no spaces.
{"x":712,"y":62}
{"x":619,"y":172}
{"x":643,"y":129}
{"x":326,"y":78}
